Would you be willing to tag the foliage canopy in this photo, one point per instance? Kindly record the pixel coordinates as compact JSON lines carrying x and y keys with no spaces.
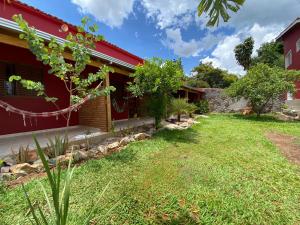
{"x":243,"y":53}
{"x":158,"y":79}
{"x":262,"y":85}
{"x":217,"y":9}
{"x":206,"y":75}
{"x":52,"y":54}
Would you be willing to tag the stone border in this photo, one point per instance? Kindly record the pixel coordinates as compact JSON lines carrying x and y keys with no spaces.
{"x":79,"y":152}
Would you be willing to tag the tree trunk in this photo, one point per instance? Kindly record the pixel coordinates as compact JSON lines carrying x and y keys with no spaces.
{"x":178,"y":117}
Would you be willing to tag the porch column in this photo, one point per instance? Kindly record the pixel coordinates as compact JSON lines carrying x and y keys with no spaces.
{"x":108,"y":105}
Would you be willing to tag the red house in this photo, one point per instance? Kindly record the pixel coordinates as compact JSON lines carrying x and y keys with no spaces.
{"x":290,"y":38}
{"x":15,"y":58}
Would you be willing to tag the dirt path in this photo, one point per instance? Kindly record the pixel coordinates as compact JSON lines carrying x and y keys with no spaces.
{"x":288,"y":146}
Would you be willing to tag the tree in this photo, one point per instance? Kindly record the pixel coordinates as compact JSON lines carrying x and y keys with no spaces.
{"x":262,"y":85}
{"x":52,"y":54}
{"x":270,"y":53}
{"x":206,"y":75}
{"x":243,"y":53}
{"x":179,"y":106}
{"x":159,"y":79}
{"x":218,"y":8}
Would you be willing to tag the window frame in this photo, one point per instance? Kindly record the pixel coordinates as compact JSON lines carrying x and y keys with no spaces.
{"x":288,"y":59}
{"x":12,"y":66}
{"x":298,"y":45}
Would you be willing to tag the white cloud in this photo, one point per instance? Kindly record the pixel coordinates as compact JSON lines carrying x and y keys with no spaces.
{"x":265,"y":13}
{"x":170,"y":13}
{"x":223,"y":54}
{"x":175,"y":42}
{"x":112,"y":12}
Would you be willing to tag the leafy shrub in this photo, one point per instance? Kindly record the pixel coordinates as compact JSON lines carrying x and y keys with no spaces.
{"x":180,"y":106}
{"x":202,"y":107}
{"x":262,"y":85}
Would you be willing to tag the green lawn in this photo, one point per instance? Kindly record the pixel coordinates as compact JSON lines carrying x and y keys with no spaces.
{"x":221,"y":171}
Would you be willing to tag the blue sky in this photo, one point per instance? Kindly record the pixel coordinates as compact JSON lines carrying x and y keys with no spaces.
{"x":171,"y":29}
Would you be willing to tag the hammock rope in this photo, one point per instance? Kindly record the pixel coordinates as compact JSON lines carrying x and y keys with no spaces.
{"x":28,"y":114}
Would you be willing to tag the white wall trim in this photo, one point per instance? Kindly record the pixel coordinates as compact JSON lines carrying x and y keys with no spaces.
{"x":8,"y":24}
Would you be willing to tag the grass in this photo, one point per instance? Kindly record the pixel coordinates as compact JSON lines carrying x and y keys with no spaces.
{"x":221,"y":171}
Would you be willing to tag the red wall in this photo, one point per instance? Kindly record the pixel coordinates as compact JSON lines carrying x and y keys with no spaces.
{"x":120,"y":83}
{"x":289,"y":41}
{"x":12,"y":123}
{"x":52,"y":25}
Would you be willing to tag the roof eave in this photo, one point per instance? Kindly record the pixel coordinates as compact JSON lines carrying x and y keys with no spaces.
{"x":294,"y":23}
{"x":8,"y":24}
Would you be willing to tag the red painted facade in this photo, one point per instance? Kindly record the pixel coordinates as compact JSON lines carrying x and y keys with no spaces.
{"x":11,"y":123}
{"x":52,"y":25}
{"x":289,"y":40}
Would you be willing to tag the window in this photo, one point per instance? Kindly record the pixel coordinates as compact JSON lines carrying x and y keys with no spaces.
{"x":26,"y":72}
{"x":288,"y":59}
{"x":298,"y":45}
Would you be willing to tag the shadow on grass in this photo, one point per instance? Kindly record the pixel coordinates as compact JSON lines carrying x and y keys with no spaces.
{"x":182,"y":136}
{"x":263,"y":118}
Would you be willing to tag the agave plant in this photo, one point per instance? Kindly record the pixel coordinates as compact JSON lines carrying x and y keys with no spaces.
{"x":58,"y":204}
{"x":57,"y":147}
{"x":60,"y":188}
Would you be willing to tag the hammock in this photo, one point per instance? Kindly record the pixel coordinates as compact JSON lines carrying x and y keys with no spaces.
{"x":27,"y":114}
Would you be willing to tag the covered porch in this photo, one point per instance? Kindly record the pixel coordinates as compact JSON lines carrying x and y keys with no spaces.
{"x":11,"y":143}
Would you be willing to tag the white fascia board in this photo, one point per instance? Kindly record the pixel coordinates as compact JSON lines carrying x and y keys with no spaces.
{"x":8,"y":24}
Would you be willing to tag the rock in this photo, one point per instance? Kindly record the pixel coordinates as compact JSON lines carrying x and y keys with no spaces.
{"x":172,"y":126}
{"x":62,"y":159}
{"x":5,"y":169}
{"x":10,"y":160}
{"x":126,"y":140}
{"x":190,"y":121}
{"x":83,"y":145}
{"x":184,"y":125}
{"x":113,"y":146}
{"x":39,"y":167}
{"x":141,"y":136}
{"x":23,"y":168}
{"x":79,"y":156}
{"x":74,"y":148}
{"x":6,"y":176}
{"x":93,"y":153}
{"x":102,"y":149}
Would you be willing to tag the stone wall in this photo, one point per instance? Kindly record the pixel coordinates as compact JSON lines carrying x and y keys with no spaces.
{"x":219,"y":101}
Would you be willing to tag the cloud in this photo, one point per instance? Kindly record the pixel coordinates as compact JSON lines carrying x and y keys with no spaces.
{"x":265,"y":13}
{"x":223,"y":55}
{"x":170,"y":13}
{"x":175,"y":42}
{"x":113,"y":12}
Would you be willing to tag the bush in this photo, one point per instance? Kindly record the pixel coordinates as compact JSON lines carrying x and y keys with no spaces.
{"x":180,"y":106}
{"x":262,"y":85}
{"x":202,"y":107}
